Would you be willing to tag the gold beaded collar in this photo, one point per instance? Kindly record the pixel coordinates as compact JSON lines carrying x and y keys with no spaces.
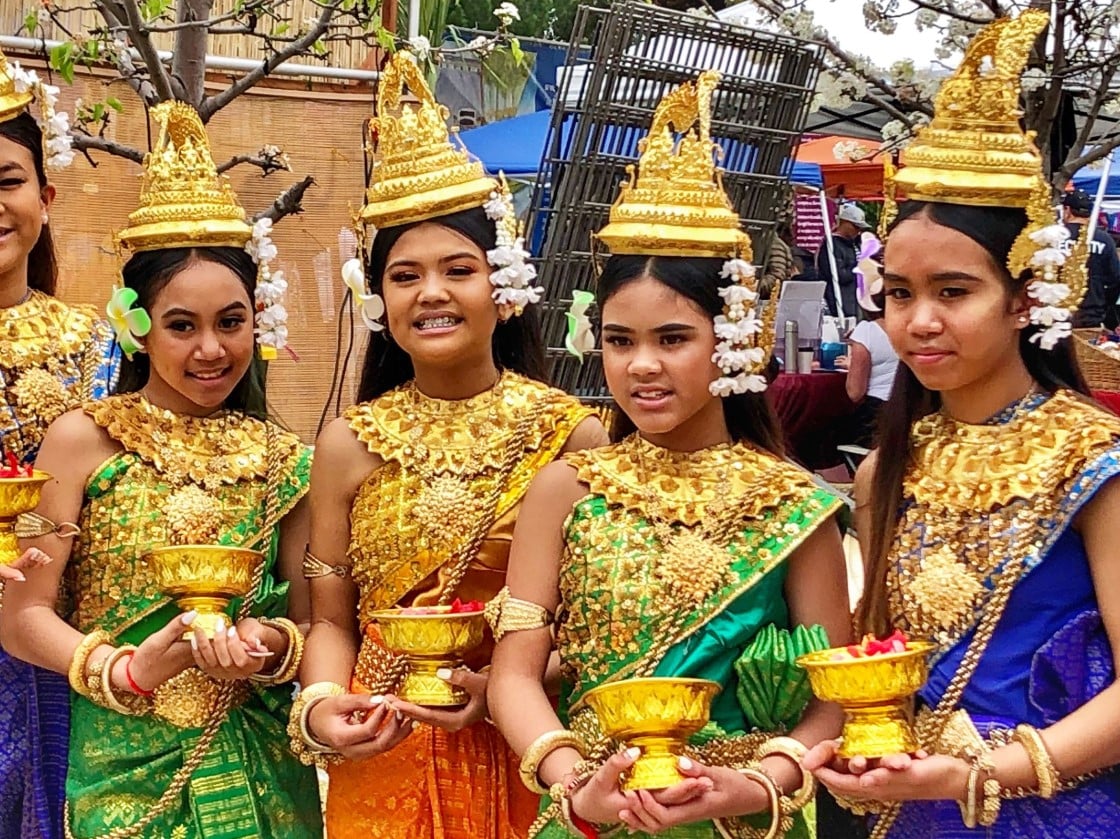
{"x":455,"y":434}
{"x":210,"y":451}
{"x":687,"y":484}
{"x":957,"y":466}
{"x":41,"y":328}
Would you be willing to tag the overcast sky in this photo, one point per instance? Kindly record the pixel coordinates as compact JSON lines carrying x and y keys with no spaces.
{"x":844,"y":21}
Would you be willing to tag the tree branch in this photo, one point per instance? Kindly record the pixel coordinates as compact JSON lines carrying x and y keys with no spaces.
{"x":125,"y":66}
{"x":188,"y":63}
{"x":148,"y":52}
{"x":267,"y":163}
{"x":87,"y":142}
{"x":949,"y":11}
{"x":290,"y":201}
{"x":212,"y":104}
{"x":1099,"y":152}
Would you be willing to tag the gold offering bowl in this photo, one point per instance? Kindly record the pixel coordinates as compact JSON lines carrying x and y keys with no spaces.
{"x":875,"y":693}
{"x":17,"y":496}
{"x":205,"y":578}
{"x":658,"y":715}
{"x":430,"y":642}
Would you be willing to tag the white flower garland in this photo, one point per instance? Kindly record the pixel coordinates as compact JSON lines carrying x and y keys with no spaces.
{"x":513,"y":277}
{"x":271,"y":317}
{"x":56,"y":124}
{"x":1051,"y":294}
{"x":737,"y":354}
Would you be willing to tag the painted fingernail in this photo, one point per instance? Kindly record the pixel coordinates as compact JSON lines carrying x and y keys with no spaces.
{"x":231,"y":632}
{"x":188,"y":617}
{"x":412,"y":725}
{"x":444,"y":673}
{"x":220,"y":626}
{"x":194,"y":642}
{"x":684,"y":763}
{"x":633,"y":753}
{"x":19,"y":578}
{"x":376,"y":700}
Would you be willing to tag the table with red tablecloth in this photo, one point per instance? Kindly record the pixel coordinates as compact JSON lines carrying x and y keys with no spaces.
{"x":812,"y":409}
{"x":1109,"y":399}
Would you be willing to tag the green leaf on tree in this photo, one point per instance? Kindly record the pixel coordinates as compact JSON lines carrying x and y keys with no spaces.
{"x":115,"y":103}
{"x":31,"y":23}
{"x":62,"y":60}
{"x":516,"y":52}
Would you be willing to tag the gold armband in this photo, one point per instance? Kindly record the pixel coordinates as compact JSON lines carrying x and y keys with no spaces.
{"x":33,"y":525}
{"x":1049,"y":781}
{"x":506,"y":614}
{"x":795,"y":751}
{"x":778,"y":819}
{"x":314,"y":567}
{"x":288,"y":667}
{"x":303,"y":744}
{"x":79,"y":664}
{"x":541,"y":748}
{"x":129,"y":704}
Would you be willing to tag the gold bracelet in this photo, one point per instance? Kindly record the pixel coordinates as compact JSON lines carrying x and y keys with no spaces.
{"x":1049,"y":780}
{"x":541,"y":748}
{"x":795,"y":751}
{"x":969,"y":805}
{"x":774,"y":802}
{"x":990,"y":802}
{"x":77,"y":671}
{"x":506,"y":614}
{"x":132,"y":704}
{"x":300,"y":741}
{"x":314,"y":567}
{"x":288,"y":667}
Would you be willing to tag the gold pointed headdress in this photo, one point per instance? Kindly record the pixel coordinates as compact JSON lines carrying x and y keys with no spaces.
{"x":419,"y":174}
{"x":674,"y":203}
{"x":975,"y":152}
{"x":184,"y":202}
{"x":12,"y":103}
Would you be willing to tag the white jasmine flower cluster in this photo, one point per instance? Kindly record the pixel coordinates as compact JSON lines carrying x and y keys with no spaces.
{"x":271,"y":318}
{"x":736,"y":353}
{"x":1051,"y":295}
{"x":513,"y":275}
{"x":56,"y":124}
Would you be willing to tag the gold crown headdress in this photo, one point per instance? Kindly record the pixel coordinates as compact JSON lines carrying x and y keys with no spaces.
{"x":186,"y":203}
{"x":674,"y":205}
{"x":419,"y":175}
{"x":18,"y":88}
{"x":975,"y":152}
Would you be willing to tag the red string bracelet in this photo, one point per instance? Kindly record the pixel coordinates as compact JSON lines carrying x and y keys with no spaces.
{"x":585,"y":827}
{"x":135,"y":688}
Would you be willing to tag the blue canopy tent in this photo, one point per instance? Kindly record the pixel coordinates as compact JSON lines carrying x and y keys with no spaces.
{"x":516,"y":147}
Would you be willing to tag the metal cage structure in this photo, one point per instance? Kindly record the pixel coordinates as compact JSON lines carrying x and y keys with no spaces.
{"x":604,"y":105}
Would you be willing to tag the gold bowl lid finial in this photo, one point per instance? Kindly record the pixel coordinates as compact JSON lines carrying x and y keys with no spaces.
{"x":674,"y":203}
{"x":418,"y":174}
{"x":184,"y":202}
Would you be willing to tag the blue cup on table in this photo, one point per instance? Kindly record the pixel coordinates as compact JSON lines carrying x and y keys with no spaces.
{"x":830,"y":351}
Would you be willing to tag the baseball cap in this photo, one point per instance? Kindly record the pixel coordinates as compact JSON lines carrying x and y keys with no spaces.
{"x":852,"y":213}
{"x":1079,"y":202}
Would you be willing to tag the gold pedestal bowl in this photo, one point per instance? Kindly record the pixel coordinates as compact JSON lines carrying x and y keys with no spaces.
{"x":436,"y":639}
{"x":205,"y":578}
{"x":875,"y":692}
{"x":658,"y":715}
{"x":17,"y":496}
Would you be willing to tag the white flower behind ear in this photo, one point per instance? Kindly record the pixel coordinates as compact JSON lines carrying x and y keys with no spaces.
{"x":371,"y":307}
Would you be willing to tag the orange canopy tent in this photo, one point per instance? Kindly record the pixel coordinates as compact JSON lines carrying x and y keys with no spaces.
{"x":853,"y":179}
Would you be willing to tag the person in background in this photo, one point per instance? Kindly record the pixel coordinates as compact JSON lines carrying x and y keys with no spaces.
{"x":779,"y":262}
{"x":1099,"y":306}
{"x":871,"y":363}
{"x":850,"y":224}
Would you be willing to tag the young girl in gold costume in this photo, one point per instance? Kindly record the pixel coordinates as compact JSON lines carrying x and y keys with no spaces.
{"x":990,"y":524}
{"x":52,"y":358}
{"x":690,"y":548}
{"x":170,"y":739}
{"x":416,"y":488}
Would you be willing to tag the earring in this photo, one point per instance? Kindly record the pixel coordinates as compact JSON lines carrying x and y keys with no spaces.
{"x":46,"y":218}
{"x":1022,"y":318}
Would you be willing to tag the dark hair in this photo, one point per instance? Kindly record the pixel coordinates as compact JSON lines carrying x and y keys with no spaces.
{"x":517,"y":343}
{"x":148,"y":272}
{"x":748,"y":415}
{"x":994,"y":229}
{"x":42,"y":265}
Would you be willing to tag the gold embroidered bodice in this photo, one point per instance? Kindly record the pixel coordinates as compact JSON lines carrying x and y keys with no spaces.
{"x":443,"y":460}
{"x":49,"y":355}
{"x":179,"y":480}
{"x":979,"y":501}
{"x":647,"y":561}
